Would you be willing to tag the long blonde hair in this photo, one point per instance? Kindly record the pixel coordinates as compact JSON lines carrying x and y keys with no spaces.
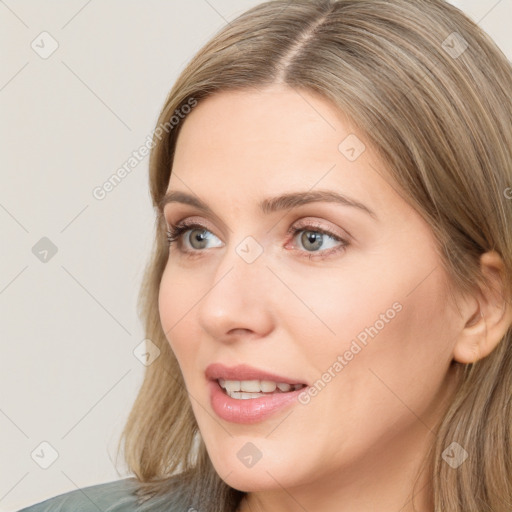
{"x":432,"y":93}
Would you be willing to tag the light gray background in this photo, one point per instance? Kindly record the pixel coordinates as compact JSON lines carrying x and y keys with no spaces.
{"x":67,"y":123}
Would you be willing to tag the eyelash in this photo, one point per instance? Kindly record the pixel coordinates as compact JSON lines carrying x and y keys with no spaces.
{"x":175,"y":233}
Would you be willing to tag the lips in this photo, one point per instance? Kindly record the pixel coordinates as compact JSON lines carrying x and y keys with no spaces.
{"x":241,"y":372}
{"x":274,"y":392}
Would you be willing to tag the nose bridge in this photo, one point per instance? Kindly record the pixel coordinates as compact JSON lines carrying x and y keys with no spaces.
{"x":238,"y":297}
{"x":245,"y":263}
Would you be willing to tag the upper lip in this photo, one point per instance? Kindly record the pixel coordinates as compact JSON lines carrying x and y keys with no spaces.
{"x":244,"y":372}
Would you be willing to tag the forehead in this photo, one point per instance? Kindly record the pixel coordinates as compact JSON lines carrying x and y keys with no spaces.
{"x":258,"y":143}
{"x":275,"y":117}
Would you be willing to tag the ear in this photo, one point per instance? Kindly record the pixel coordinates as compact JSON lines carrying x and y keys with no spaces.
{"x":488,"y":314}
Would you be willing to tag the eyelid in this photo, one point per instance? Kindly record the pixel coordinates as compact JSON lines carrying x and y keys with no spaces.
{"x":302,"y":222}
{"x":190,"y":220}
{"x":306,"y":222}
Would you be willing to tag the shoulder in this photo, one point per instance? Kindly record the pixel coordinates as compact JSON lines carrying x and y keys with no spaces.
{"x":107,"y":497}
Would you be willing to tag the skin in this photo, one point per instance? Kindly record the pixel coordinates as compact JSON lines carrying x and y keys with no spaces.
{"x":357,"y":444}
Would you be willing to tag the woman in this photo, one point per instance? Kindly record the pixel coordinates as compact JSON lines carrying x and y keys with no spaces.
{"x":331,"y":277}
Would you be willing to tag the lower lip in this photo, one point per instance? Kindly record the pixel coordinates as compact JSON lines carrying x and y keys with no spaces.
{"x":249,"y":410}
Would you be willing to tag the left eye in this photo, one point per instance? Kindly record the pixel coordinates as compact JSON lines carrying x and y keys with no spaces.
{"x":313,"y":240}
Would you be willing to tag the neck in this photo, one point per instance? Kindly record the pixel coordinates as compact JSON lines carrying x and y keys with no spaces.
{"x":384,"y":483}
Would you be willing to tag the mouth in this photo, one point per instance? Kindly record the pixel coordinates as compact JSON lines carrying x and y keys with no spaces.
{"x":249,"y":389}
{"x":244,"y":382}
{"x":244,"y":394}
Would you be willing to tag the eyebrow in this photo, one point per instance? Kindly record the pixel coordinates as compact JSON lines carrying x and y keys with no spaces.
{"x":273,"y":204}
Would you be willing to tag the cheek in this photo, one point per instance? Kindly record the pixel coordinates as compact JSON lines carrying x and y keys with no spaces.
{"x":176,"y":302}
{"x":339,"y":310}
{"x":392,"y":346}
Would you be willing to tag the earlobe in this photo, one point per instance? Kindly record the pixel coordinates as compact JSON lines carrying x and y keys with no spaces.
{"x":491,"y":317}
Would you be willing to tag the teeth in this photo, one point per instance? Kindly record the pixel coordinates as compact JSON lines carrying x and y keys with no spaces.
{"x":244,"y":396}
{"x":268,"y":386}
{"x":231,"y":385}
{"x":251,"y":386}
{"x":246,"y":389}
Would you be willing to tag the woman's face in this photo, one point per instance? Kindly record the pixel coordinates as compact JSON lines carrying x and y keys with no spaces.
{"x":354,"y":304}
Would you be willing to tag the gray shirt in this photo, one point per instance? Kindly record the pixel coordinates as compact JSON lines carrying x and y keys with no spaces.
{"x":180,"y":495}
{"x":114,"y":496}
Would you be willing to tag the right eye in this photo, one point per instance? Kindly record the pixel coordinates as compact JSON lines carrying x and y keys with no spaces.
{"x":195,"y":241}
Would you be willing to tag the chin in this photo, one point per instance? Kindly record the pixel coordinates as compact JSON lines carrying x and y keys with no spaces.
{"x":252,"y":480}
{"x":272,"y":473}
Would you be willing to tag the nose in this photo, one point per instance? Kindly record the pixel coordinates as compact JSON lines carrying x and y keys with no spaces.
{"x":239,"y":300}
